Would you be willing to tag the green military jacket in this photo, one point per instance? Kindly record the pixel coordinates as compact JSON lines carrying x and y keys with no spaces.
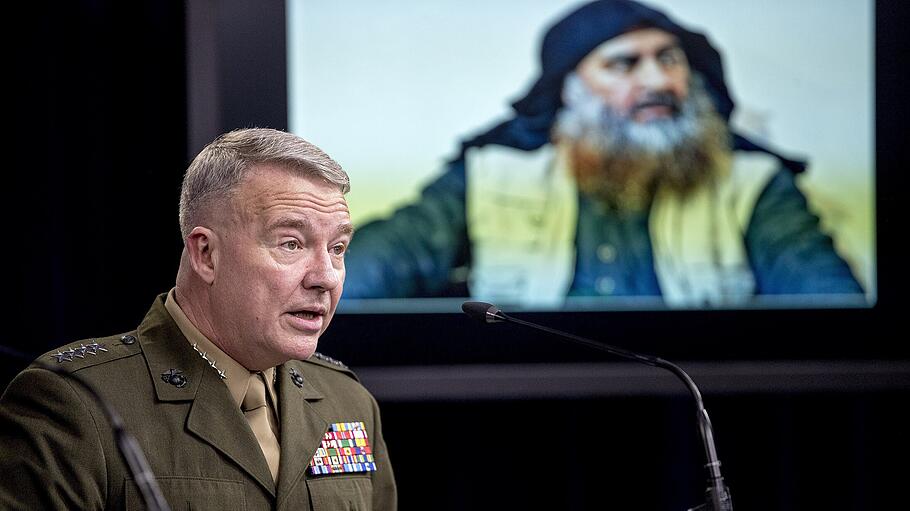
{"x":57,"y":450}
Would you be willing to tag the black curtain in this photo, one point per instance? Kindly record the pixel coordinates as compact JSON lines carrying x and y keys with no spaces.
{"x":97,"y":153}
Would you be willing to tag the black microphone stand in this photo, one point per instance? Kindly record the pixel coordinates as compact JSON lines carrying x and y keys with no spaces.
{"x":132,"y":454}
{"x":717,"y":495}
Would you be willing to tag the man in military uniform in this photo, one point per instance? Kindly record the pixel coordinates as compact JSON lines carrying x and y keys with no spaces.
{"x":220,"y":384}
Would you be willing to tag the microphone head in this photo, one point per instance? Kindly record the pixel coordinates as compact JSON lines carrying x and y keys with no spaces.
{"x":482,"y":311}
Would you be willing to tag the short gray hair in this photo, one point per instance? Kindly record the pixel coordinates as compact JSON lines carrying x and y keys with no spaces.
{"x":220,"y":167}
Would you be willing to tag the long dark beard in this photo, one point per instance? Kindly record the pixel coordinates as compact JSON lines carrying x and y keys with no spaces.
{"x":622,"y":162}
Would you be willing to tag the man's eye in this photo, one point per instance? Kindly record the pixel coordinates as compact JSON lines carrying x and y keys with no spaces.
{"x":671,"y":57}
{"x":339,"y":249}
{"x":620,"y":64}
{"x":291,"y":245}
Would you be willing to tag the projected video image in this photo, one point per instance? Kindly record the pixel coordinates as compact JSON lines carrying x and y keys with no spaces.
{"x":610,"y":155}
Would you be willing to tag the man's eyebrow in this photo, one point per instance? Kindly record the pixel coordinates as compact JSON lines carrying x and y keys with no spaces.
{"x":303,"y":224}
{"x":289,"y":222}
{"x":635,"y":55}
{"x":670,"y":47}
{"x":628,"y":59}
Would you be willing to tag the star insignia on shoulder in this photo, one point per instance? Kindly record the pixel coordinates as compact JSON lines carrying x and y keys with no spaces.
{"x":326,"y":358}
{"x":93,"y":348}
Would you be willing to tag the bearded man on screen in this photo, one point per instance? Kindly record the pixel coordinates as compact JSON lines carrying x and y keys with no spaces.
{"x":618,"y":176}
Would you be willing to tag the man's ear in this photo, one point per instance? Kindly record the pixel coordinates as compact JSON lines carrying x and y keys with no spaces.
{"x":201,"y":247}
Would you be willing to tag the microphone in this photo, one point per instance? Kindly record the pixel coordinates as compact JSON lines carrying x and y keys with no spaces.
{"x":483,"y":312}
{"x":129,"y":448}
{"x":717,"y":495}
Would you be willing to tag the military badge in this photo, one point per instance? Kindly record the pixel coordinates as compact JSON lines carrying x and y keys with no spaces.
{"x":345,"y":448}
{"x":205,"y":356}
{"x":296,"y":377}
{"x":175,"y":377}
{"x":73,"y":353}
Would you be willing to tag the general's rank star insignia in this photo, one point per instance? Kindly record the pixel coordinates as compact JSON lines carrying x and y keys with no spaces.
{"x":69,"y":355}
{"x":345,"y":448}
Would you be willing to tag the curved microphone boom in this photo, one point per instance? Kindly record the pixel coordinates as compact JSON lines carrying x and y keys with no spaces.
{"x":718,"y":495}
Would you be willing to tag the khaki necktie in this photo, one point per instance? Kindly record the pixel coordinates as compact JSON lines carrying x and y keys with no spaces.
{"x":257,"y":412}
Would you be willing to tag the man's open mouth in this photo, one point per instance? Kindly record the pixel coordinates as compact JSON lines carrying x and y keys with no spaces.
{"x":307,"y":314}
{"x":661,"y":101}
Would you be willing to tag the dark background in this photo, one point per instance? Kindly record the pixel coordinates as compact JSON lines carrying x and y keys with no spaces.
{"x":110,"y":99}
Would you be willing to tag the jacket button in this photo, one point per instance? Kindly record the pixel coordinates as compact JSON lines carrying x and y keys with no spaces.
{"x":128,"y":339}
{"x":605,"y":285}
{"x":606,"y":253}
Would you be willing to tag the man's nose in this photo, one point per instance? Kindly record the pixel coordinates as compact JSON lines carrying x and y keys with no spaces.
{"x":321,"y":273}
{"x":651,"y":75}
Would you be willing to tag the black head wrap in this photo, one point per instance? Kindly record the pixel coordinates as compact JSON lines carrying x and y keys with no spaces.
{"x":571,"y":38}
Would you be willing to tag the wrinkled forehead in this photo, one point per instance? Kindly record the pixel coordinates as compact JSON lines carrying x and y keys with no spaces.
{"x":635,"y":42}
{"x":269,"y":188}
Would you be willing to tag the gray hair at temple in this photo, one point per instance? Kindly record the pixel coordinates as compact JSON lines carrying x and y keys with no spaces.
{"x":219,"y":168}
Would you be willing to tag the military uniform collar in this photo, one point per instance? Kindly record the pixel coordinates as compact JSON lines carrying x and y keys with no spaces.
{"x":294,"y":379}
{"x":235,"y":375}
{"x":167,"y":349}
{"x":175,"y":369}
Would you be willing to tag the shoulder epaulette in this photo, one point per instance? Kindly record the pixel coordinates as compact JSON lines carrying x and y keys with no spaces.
{"x":329,"y":360}
{"x":90,"y":352}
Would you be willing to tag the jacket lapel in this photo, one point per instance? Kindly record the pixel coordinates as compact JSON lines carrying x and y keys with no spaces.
{"x":214,"y":419}
{"x":302,"y":428}
{"x":212,"y":416}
